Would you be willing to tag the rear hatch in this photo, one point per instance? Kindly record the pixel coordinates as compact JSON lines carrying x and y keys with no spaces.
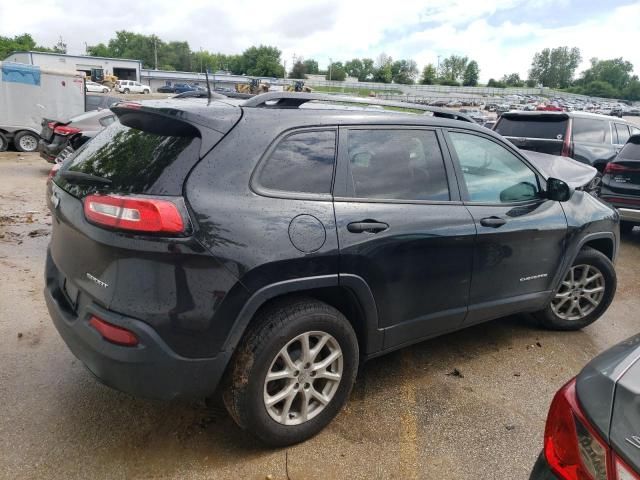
{"x":145,"y":156}
{"x":622,"y":175}
{"x":48,"y":125}
{"x":543,"y":132}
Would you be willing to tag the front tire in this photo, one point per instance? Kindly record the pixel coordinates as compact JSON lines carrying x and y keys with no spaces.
{"x":26,"y":142}
{"x":126,"y":90}
{"x":293,"y":371}
{"x":584,"y":294}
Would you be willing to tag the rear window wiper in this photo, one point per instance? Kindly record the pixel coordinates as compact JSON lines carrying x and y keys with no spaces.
{"x":79,"y":177}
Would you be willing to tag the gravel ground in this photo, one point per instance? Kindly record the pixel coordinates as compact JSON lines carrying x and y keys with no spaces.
{"x":410,"y":415}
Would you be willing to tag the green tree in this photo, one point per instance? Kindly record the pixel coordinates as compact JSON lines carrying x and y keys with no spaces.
{"x":383,"y":71}
{"x":632,"y":90}
{"x":453,"y":67}
{"x":471,"y":74}
{"x":493,"y":83}
{"x":598,"y":88}
{"x":404,"y":71}
{"x":60,"y":47}
{"x":19,"y":43}
{"x":616,"y":72}
{"x":555,"y":67}
{"x":262,"y":61}
{"x":512,"y":80}
{"x":99,"y":50}
{"x":362,"y":69}
{"x":429,"y":75}
{"x":311,"y":66}
{"x":299,"y":70}
{"x":336,"y":72}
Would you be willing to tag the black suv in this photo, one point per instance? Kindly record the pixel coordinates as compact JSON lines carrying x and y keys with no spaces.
{"x":586,"y":137}
{"x":271,"y":246}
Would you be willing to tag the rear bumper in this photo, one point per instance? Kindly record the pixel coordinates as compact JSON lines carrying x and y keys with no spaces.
{"x":542,"y":471}
{"x":150,"y":369}
{"x":49,"y":151}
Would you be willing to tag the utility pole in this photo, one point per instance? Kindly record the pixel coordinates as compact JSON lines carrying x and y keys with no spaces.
{"x":155,"y":50}
{"x":330,"y":65}
{"x":438,"y":64}
{"x":284,"y":76}
{"x":200,"y":59}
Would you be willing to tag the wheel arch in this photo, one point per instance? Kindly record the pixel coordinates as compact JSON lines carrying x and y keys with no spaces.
{"x":604,"y":242}
{"x":349,"y":294}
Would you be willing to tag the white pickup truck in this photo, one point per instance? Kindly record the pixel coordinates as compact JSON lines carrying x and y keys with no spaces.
{"x":28,"y":94}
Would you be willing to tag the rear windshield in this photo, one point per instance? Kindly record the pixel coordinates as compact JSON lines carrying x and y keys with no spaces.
{"x":134,"y":161}
{"x":537,"y":127}
{"x":631,"y":151}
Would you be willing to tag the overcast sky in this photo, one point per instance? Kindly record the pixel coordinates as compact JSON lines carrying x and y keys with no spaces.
{"x":502,"y":35}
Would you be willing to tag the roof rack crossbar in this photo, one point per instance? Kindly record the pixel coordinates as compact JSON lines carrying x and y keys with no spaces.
{"x":282,"y":100}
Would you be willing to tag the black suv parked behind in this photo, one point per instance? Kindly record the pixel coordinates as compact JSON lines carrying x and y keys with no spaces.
{"x":586,"y":137}
{"x":272,"y":245}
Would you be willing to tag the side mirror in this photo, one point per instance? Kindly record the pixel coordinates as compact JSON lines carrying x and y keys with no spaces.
{"x":558,"y":190}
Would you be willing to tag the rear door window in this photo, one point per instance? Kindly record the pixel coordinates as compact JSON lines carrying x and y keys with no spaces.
{"x":590,"y":130}
{"x":302,"y":162}
{"x":398,"y":164}
{"x":623,"y":133}
{"x":550,"y":127}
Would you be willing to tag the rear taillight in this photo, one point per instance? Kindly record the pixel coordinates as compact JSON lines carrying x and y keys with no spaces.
{"x":623,"y":471}
{"x":113,"y":333}
{"x":52,"y":125}
{"x":136,"y":214}
{"x":65,"y":130}
{"x":53,"y":171}
{"x":618,"y":168}
{"x":573,"y":449}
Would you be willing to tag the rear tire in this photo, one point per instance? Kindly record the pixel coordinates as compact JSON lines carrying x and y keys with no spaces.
{"x":565,"y":311}
{"x":26,"y":141}
{"x":126,"y":90}
{"x":311,"y":393}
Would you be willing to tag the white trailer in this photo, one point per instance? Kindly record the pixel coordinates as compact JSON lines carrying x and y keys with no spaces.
{"x":28,"y":94}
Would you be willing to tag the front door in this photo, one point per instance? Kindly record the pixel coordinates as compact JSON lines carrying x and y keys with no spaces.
{"x":403,"y":229}
{"x":521,"y":235}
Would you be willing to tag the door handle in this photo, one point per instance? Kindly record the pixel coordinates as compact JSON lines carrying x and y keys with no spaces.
{"x":492,"y":222}
{"x":369,"y":226}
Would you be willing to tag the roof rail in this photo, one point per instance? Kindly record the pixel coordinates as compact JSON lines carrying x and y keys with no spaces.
{"x":295,"y":99}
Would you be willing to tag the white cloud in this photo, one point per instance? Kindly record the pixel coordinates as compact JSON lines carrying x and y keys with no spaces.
{"x":338,"y":29}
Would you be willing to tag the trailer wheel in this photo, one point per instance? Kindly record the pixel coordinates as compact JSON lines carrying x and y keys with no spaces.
{"x":26,"y":141}
{"x":4,"y":143}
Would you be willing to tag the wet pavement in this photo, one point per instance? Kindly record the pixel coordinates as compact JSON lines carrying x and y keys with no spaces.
{"x":467,"y":405}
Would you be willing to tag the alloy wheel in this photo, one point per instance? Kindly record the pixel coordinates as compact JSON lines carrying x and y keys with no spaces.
{"x":303,"y":378}
{"x":580,"y":293}
{"x":28,"y":143}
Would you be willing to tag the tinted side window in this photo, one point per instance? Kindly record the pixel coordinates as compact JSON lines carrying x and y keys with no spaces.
{"x":544,"y":126}
{"x":492,"y":173}
{"x":397,"y":164}
{"x":302,"y":162}
{"x":589,"y":130}
{"x":623,"y":133}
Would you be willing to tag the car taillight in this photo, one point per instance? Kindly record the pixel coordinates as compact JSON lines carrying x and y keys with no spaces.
{"x":65,"y":130}
{"x":53,"y":171}
{"x":137,"y":214}
{"x":113,"y":333}
{"x":613,"y":167}
{"x":573,"y":449}
{"x":623,"y":472}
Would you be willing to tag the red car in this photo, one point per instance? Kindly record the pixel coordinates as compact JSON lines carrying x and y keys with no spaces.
{"x":549,"y":108}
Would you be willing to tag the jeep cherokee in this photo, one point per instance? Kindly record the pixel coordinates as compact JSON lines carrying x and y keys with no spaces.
{"x":271,"y":246}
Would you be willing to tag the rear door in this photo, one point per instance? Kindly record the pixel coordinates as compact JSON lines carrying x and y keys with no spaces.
{"x":521,"y":235}
{"x":403,"y":229}
{"x":540,"y":132}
